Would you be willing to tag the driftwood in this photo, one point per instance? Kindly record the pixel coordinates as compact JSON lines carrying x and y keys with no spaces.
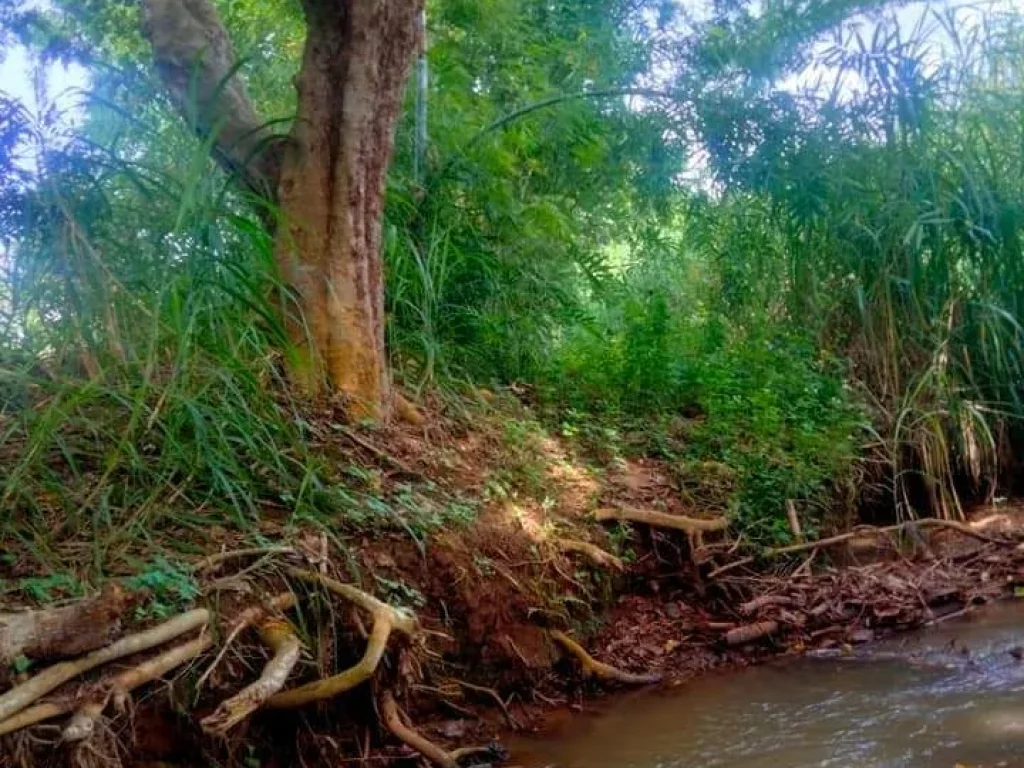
{"x":21,"y":696}
{"x":594,"y":668}
{"x":63,"y":633}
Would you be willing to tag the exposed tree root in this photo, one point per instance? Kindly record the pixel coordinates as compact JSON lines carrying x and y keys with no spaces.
{"x":385,"y":619}
{"x":20,"y":697}
{"x":279,"y":637}
{"x":61,"y":633}
{"x":858,"y":532}
{"x":593,"y":667}
{"x":221,"y":557}
{"x":692,"y":526}
{"x":592,"y":552}
{"x":83,"y":724}
{"x":393,"y":722}
{"x":84,"y":721}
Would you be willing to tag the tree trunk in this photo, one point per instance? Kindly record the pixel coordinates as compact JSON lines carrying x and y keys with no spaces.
{"x":329,"y":177}
{"x":331,"y":189}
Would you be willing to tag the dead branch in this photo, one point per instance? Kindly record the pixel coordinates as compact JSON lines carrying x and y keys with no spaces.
{"x":393,"y":721}
{"x":859,"y":531}
{"x":750,"y":632}
{"x":84,"y":721}
{"x":690,"y":525}
{"x":279,"y":637}
{"x":592,"y":552}
{"x":19,"y":697}
{"x":385,"y":619}
{"x":61,"y":633}
{"x":512,"y":722}
{"x":765,"y":601}
{"x":593,"y":667}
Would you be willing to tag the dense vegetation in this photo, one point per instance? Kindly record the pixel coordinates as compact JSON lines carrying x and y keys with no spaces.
{"x":780,"y":250}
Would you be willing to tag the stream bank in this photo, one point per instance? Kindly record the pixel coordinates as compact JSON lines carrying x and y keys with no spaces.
{"x":489,"y":590}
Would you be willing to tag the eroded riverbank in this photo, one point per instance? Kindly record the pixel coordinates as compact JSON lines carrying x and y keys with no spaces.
{"x":943,"y":696}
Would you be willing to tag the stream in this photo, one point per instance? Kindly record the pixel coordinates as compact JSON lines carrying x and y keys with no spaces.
{"x":946,"y":696}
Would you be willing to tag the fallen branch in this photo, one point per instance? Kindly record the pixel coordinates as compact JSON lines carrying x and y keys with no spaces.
{"x":83,"y":722}
{"x":765,"y":601}
{"x":220,"y":557}
{"x":750,"y":632}
{"x":860,"y":531}
{"x":20,"y":697}
{"x":279,"y":637}
{"x":594,"y":668}
{"x":409,"y":736}
{"x":592,"y":552}
{"x":386,"y":618}
{"x":691,"y":525}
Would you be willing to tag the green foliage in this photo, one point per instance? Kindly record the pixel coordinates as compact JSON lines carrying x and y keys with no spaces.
{"x":170,"y":587}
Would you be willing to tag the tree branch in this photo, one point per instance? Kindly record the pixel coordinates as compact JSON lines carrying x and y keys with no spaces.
{"x":194,"y":58}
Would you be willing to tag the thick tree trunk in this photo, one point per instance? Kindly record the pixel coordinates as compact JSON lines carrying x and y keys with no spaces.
{"x":329,"y":178}
{"x":331,"y":189}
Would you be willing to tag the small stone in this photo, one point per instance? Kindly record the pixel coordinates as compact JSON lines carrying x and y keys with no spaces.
{"x":860,"y":636}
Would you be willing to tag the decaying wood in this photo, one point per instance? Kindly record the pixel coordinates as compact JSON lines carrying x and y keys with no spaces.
{"x":690,"y":525}
{"x":765,"y":601}
{"x":66,"y":632}
{"x":593,"y":667}
{"x":750,"y":632}
{"x":21,"y":696}
{"x":386,"y":618}
{"x":794,"y":521}
{"x":393,"y":722}
{"x":592,"y":552}
{"x":279,"y":637}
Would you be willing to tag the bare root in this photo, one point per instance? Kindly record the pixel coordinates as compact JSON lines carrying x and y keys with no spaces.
{"x":692,"y":526}
{"x":279,"y":637}
{"x":594,"y":668}
{"x":593,"y":553}
{"x":407,"y":735}
{"x":20,"y":697}
{"x":386,"y":619}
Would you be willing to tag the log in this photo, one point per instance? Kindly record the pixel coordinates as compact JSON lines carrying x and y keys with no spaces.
{"x":66,"y":632}
{"x":748,"y":633}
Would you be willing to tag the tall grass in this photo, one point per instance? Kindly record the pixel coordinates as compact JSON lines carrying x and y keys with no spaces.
{"x":141,"y":350}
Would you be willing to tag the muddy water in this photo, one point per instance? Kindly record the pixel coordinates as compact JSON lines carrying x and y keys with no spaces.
{"x":913,"y":702}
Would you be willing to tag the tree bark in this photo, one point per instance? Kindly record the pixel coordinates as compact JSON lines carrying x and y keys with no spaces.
{"x":328,"y":178}
{"x":331,"y":190}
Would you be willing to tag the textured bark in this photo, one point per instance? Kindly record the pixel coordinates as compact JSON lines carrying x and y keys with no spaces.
{"x":62,"y":633}
{"x":328,"y":178}
{"x":331,"y":190}
{"x":196,"y":62}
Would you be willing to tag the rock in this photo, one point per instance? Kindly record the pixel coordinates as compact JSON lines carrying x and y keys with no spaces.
{"x":1017,"y":652}
{"x":861,"y":636}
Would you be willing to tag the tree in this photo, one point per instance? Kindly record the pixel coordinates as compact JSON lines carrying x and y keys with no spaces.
{"x":326,"y":179}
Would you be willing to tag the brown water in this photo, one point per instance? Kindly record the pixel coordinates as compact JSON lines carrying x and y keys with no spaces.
{"x":932,"y":707}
